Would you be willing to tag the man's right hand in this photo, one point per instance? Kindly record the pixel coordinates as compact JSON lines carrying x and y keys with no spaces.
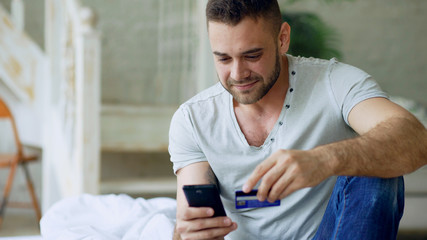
{"x":198,"y":223}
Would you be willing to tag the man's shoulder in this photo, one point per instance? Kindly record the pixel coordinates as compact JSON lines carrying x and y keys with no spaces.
{"x":310,"y":61}
{"x":333,"y":67}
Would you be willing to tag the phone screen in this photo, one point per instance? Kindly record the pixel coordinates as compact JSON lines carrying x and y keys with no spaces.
{"x":206,"y":195}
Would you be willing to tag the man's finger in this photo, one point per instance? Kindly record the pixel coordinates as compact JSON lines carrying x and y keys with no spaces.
{"x":292,"y":187}
{"x":197,"y":212}
{"x":212,"y":233}
{"x":257,"y":174}
{"x":279,"y":188}
{"x":207,"y":223}
{"x":269,"y":180}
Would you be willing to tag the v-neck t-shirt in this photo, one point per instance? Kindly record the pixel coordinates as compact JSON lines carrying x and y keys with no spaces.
{"x":320,"y":96}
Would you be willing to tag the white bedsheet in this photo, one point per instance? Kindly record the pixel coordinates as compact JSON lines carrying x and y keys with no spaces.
{"x":109,"y":217}
{"x":22,"y":238}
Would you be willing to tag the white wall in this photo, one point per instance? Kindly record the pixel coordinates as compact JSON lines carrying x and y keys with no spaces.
{"x":150,"y":50}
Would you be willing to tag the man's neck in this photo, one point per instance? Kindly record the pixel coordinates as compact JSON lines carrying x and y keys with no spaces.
{"x":257,"y":120}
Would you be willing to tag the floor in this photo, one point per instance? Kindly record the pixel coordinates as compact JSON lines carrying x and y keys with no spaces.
{"x":19,"y":222}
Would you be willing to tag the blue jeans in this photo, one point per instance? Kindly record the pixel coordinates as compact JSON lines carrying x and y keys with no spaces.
{"x":363,"y":208}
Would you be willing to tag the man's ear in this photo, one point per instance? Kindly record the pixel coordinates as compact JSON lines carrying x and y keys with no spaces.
{"x":284,"y":38}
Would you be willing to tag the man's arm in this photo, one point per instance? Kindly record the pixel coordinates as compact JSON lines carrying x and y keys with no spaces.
{"x":392,"y":142}
{"x":197,"y":223}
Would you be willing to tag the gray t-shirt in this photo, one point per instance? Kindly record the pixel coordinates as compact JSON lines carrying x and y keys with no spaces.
{"x":320,"y":96}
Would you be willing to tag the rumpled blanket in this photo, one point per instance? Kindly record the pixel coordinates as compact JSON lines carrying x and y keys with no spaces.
{"x":109,"y":217}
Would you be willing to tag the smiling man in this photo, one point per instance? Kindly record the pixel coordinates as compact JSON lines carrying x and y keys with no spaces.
{"x":287,"y":126}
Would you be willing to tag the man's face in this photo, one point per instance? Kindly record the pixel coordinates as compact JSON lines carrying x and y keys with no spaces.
{"x":246,"y":58}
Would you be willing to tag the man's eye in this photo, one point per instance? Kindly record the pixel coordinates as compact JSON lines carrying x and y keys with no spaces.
{"x":223,"y":59}
{"x":253,"y":57}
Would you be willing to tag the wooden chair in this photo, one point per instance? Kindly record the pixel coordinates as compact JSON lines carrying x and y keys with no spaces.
{"x":12,"y":161}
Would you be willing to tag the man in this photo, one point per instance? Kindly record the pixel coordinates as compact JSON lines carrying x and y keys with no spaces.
{"x":290,"y":125}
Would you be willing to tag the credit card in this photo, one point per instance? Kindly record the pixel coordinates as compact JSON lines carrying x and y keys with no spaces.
{"x":249,"y":200}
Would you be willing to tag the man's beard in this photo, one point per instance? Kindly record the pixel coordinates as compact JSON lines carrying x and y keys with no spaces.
{"x":249,"y":97}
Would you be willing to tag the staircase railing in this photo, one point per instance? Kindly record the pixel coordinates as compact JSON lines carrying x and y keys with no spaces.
{"x":71,"y":164}
{"x":22,"y":73}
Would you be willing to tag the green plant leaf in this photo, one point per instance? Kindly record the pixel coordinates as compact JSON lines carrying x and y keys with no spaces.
{"x":311,"y":37}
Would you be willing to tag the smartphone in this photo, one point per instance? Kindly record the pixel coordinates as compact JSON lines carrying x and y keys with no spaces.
{"x":206,"y":195}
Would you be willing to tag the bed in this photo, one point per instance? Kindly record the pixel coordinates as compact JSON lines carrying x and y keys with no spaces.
{"x":22,"y":238}
{"x":109,"y":217}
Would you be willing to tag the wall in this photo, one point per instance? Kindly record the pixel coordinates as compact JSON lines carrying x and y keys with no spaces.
{"x":385,"y":38}
{"x":148,"y":50}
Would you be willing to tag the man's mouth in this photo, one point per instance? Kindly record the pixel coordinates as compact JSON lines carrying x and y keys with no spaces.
{"x":245,"y":86}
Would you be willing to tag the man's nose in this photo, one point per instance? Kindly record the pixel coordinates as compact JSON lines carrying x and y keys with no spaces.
{"x":239,"y":71}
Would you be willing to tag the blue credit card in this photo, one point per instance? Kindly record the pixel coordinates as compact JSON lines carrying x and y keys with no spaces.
{"x":249,"y":200}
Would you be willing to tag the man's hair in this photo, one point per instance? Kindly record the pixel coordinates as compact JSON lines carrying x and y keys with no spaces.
{"x":231,"y":12}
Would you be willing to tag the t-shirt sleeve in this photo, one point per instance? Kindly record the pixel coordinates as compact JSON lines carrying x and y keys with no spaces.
{"x":183,"y":147}
{"x":351,"y":86}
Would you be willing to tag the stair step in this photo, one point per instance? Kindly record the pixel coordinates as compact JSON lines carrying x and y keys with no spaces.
{"x":139,"y":186}
{"x":126,"y":128}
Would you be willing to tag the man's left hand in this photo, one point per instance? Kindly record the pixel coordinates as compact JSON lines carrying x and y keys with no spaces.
{"x":286,"y":171}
